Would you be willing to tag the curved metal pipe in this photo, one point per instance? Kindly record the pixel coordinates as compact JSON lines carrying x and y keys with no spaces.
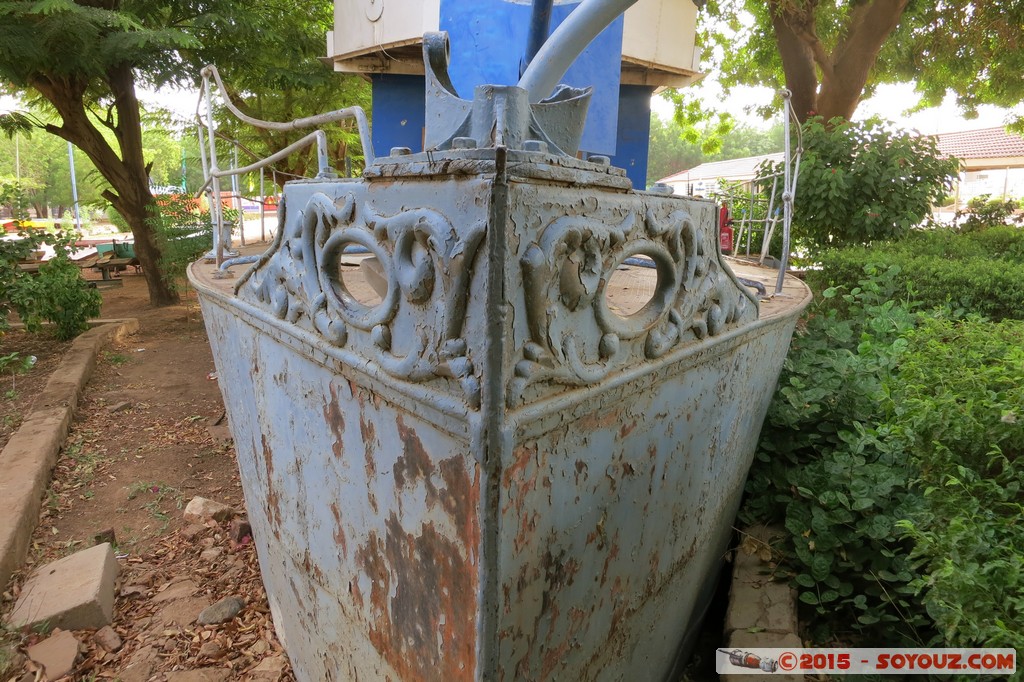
{"x":316,"y":136}
{"x":567,"y":42}
{"x":239,"y":260}
{"x":309,"y":122}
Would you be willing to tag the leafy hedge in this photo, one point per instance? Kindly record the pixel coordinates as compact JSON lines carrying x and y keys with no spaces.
{"x":830,"y":474}
{"x":57,"y":294}
{"x":980,"y":272}
{"x":959,"y":407}
{"x":892,"y":453}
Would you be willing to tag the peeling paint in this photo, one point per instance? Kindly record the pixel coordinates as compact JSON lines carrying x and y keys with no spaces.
{"x":492,"y":475}
{"x":423,"y":587}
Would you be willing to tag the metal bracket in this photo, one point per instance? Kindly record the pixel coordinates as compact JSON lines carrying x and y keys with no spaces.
{"x":498,"y":115}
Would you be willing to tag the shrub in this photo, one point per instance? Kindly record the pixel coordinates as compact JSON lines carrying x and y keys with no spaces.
{"x":833,"y":476}
{"x":960,"y":411}
{"x":184,"y":234}
{"x":983,"y":212}
{"x":980,"y":272}
{"x":58,"y":294}
{"x":893,"y":453}
{"x":864,"y":182}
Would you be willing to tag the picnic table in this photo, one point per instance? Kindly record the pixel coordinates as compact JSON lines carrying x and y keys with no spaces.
{"x":109,"y":266}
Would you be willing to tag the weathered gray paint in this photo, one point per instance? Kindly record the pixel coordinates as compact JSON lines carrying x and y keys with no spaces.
{"x":490,"y":475}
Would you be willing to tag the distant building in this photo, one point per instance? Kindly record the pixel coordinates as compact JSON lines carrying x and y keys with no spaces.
{"x":708,"y":178}
{"x":991,"y":162}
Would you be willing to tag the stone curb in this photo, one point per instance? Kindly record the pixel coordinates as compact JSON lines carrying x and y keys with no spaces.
{"x":28,"y":459}
{"x":761,"y":611}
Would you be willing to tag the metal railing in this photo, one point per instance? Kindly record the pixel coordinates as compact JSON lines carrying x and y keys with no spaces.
{"x":759,"y":211}
{"x":212,"y":172}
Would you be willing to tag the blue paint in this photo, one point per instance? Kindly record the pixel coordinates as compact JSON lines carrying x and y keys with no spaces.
{"x":399,"y":112}
{"x":634,"y":133}
{"x":488,"y":40}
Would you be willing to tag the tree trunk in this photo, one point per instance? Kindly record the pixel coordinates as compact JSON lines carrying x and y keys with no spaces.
{"x":126,"y":173}
{"x":137,"y":205}
{"x":843,"y":72}
{"x":798,"y":65}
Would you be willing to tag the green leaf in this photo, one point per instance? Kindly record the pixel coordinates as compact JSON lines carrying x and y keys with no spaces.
{"x":809,"y":598}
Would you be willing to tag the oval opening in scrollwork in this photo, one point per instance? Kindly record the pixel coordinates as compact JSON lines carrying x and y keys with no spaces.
{"x":354,"y":276}
{"x":362,"y":277}
{"x":638,"y":290}
{"x":631,"y":286}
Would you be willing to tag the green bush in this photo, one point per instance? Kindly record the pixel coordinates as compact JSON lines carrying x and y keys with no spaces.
{"x":863,"y":182}
{"x":57,"y":294}
{"x":980,"y":272}
{"x":184,"y":234}
{"x":893,"y":453}
{"x":960,"y":412}
{"x":983,"y":212}
{"x":833,"y":477}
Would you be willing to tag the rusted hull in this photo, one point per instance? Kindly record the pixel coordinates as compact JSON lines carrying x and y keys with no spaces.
{"x":491,"y":474}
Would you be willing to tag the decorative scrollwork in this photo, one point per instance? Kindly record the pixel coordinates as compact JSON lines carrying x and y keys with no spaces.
{"x":426,"y":266}
{"x":567,"y":272}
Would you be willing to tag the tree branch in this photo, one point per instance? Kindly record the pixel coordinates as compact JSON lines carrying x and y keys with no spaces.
{"x":797,"y":62}
{"x":871,"y":23}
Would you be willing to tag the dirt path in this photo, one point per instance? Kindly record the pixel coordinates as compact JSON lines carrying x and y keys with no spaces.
{"x":147,"y":438}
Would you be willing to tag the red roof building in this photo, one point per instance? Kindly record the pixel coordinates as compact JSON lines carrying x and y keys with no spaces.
{"x":989,"y":147}
{"x":991,"y":162}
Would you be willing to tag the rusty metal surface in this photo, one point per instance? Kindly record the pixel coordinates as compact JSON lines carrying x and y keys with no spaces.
{"x":490,"y":474}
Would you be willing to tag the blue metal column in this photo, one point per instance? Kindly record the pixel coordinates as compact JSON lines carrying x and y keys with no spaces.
{"x":634,"y":132}
{"x":398,"y":112}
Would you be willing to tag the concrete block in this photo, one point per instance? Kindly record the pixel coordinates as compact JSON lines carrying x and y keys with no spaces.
{"x":57,"y":654}
{"x":761,"y":604}
{"x":756,"y":602}
{"x":743,"y":639}
{"x":761,"y":612}
{"x":72,"y":593}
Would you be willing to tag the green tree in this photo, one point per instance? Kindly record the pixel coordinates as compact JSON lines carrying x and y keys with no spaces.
{"x":673,"y":150}
{"x":830,"y":54}
{"x":259,"y":86}
{"x":669,"y":153}
{"x":863,"y":182}
{"x":86,"y":58}
{"x":46,"y":173}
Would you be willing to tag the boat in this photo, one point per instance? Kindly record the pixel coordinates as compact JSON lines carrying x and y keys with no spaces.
{"x":493,"y":407}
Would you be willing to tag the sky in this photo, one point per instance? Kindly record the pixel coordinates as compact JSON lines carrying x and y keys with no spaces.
{"x":890,"y":102}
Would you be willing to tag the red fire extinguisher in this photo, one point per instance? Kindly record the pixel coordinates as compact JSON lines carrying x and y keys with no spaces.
{"x":725,"y":230}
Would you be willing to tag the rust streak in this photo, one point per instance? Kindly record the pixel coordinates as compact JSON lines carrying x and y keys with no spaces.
{"x":339,"y":532}
{"x":459,"y":500}
{"x":273,"y":502}
{"x":336,"y":421}
{"x":434,"y":594}
{"x":596,"y":421}
{"x":369,"y":434}
{"x":414,"y":463}
{"x":522,"y":456}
